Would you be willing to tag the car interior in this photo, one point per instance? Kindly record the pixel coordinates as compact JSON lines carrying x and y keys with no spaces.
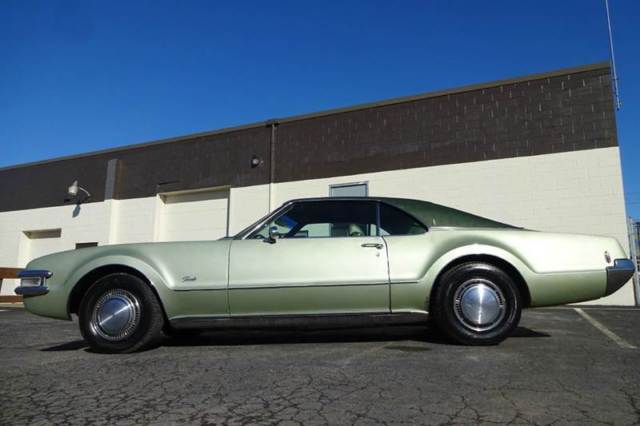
{"x":343,"y":218}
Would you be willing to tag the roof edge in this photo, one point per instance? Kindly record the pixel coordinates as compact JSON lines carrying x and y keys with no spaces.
{"x":302,"y":117}
{"x":452,"y":91}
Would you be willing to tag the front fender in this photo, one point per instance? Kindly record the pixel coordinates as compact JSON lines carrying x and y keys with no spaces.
{"x":160,"y":263}
{"x":69,"y":270}
{"x":138,"y":264}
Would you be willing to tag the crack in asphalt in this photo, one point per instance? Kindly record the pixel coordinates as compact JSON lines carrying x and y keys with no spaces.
{"x":333,"y":377}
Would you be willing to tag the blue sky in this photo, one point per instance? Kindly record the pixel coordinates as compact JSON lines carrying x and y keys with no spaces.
{"x":78,"y":76}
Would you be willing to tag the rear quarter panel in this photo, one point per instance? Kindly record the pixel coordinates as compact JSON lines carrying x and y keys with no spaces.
{"x":558,"y":268}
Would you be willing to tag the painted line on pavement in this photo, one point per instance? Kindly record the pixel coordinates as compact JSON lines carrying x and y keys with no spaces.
{"x":610,"y":334}
{"x":631,"y":308}
{"x":590,"y":308}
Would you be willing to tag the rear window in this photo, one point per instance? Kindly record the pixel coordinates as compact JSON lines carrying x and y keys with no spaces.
{"x":394,"y":221}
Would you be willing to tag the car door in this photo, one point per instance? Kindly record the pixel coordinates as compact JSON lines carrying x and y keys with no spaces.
{"x":411,"y":250}
{"x":328,"y":259}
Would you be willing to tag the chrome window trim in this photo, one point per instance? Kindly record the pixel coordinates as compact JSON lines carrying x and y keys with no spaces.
{"x":290,"y":204}
{"x":242,"y":235}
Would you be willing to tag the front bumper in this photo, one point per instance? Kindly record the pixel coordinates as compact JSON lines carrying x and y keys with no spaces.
{"x":618,"y":274}
{"x":33,"y":282}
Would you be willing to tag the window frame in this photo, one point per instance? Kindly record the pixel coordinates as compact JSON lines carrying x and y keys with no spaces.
{"x":333,"y":200}
{"x":426,"y":228}
{"x":243,"y":235}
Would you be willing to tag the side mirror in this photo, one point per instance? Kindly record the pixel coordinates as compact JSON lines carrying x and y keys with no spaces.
{"x":273,"y":235}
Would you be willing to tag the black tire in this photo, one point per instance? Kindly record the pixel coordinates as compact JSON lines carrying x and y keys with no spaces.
{"x":175,"y":333}
{"x":143,"y":316}
{"x":452,"y":315}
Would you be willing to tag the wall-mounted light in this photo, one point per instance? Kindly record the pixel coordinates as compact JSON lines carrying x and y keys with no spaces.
{"x":73,"y":191}
{"x":255,"y":161}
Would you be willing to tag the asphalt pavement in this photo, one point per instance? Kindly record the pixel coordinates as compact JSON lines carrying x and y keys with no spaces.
{"x":560,"y":367}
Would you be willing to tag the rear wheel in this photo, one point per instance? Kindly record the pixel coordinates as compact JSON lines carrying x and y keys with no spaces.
{"x":476,"y":303}
{"x":120,"y":314}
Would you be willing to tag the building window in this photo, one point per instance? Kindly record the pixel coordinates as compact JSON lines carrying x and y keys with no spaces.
{"x":85,"y":245}
{"x":355,"y":189}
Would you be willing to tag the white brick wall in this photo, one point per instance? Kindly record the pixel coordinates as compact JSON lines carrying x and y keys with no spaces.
{"x":247,"y":205}
{"x":568,"y":192}
{"x":135,"y":220}
{"x":577,"y":192}
{"x":88,"y":224}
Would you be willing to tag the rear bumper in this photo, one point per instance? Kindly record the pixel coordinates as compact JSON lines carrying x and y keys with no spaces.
{"x":618,"y":274}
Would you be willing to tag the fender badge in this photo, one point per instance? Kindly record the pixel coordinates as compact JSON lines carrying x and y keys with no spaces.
{"x":188,"y":278}
{"x":607,"y":257}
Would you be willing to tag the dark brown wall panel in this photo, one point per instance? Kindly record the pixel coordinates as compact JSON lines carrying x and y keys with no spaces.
{"x":45,"y":185}
{"x":561,"y":111}
{"x":207,"y":161}
{"x":554,"y":114}
{"x":202,"y":162}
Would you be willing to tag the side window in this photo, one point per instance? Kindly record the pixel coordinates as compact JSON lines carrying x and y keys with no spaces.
{"x":394,"y":221}
{"x":322,"y":219}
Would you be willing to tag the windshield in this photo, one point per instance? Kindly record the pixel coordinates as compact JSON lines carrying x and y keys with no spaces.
{"x":255,"y":224}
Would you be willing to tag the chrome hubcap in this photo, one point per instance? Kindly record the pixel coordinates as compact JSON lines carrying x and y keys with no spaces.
{"x":116,"y":315}
{"x":479,"y":304}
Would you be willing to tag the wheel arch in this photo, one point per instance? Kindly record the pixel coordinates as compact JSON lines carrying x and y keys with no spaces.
{"x":490,"y":259}
{"x":82,"y":285}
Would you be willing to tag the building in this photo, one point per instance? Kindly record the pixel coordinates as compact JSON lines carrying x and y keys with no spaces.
{"x":538,"y":151}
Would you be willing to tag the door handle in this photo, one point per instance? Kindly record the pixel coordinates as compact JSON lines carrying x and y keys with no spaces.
{"x":372,"y":245}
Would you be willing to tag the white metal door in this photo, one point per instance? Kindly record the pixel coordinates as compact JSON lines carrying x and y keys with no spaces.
{"x":191,"y":216}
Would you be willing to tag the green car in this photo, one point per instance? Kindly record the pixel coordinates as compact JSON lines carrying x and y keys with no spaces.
{"x":327,"y":262}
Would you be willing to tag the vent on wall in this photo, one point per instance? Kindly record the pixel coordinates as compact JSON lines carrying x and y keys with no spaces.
{"x":354,"y":189}
{"x":86,"y":245}
{"x":39,"y":242}
{"x":43,"y":233}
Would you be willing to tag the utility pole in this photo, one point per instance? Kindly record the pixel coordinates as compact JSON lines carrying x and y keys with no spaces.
{"x":612,"y":58}
{"x":272,"y":161}
{"x":634,"y":236}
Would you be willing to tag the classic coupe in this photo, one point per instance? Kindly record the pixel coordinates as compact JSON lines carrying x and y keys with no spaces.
{"x":327,"y":262}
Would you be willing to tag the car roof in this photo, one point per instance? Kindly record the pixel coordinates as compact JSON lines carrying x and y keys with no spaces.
{"x":426,"y":212}
{"x":343,"y":198}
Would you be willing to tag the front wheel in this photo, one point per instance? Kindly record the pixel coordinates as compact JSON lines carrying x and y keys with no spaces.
{"x":120,"y":314}
{"x":477,"y":303}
